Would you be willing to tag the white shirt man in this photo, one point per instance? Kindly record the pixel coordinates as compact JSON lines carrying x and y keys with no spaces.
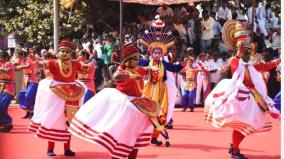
{"x":215,"y":74}
{"x":271,"y":18}
{"x":223,"y":13}
{"x":207,"y":32}
{"x":98,"y":49}
{"x":261,"y":18}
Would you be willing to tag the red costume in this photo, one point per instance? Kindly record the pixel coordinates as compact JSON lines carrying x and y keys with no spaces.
{"x":57,"y":99}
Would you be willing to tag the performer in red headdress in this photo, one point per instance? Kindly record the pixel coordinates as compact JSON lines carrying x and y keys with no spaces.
{"x":118,"y":118}
{"x":57,"y":100}
{"x":241,"y":103}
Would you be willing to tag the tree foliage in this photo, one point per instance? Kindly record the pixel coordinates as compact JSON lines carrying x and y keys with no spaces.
{"x":32,"y":20}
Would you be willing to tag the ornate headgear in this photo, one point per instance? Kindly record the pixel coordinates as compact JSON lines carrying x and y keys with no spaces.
{"x":233,"y":32}
{"x":129,"y":50}
{"x":158,"y":23}
{"x":157,"y":37}
{"x":65,"y":43}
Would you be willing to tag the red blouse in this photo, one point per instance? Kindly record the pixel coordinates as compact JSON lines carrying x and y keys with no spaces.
{"x":53,"y":67}
{"x":259,"y":67}
{"x":132,"y":87}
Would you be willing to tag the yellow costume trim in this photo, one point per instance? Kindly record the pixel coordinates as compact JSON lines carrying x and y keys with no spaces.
{"x":68,"y":92}
{"x":257,"y":96}
{"x":71,"y":111}
{"x":158,"y":44}
{"x":157,"y":91}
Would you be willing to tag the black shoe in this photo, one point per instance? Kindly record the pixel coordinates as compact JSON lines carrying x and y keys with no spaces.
{"x":69,"y":153}
{"x":155,"y":141}
{"x":6,"y":129}
{"x":169,"y":126}
{"x":184,"y":109}
{"x":235,"y":156}
{"x":50,"y":153}
{"x":31,"y":115}
{"x":28,"y":114}
{"x":238,"y":156}
{"x":191,"y":110}
{"x":230,"y":151}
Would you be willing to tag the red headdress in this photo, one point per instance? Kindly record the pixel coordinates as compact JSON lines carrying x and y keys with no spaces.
{"x":129,"y":50}
{"x":65,"y":43}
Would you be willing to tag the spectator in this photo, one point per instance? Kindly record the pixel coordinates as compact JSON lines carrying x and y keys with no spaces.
{"x":195,"y":25}
{"x":270,"y":17}
{"x":217,"y":28}
{"x":260,"y":19}
{"x":207,"y":30}
{"x":223,"y":13}
{"x":108,"y":50}
{"x":115,"y":60}
{"x":214,"y":67}
{"x":165,"y":12}
{"x":99,"y":75}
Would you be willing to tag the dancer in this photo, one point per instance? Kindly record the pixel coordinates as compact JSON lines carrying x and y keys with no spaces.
{"x":27,"y":94}
{"x":87,"y":76}
{"x":188,"y":97}
{"x":118,"y":118}
{"x":241,"y":103}
{"x":157,"y":40}
{"x":57,"y":100}
{"x":7,"y":91}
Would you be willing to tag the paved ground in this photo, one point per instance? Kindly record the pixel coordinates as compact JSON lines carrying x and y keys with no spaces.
{"x":191,"y":138}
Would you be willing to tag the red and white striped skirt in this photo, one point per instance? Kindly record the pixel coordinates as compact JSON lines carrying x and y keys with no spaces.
{"x":110,"y":120}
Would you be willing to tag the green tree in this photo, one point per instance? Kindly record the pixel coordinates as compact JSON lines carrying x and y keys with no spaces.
{"x":32,"y":20}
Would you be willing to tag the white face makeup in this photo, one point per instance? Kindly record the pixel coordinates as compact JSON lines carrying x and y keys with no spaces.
{"x":64,"y":53}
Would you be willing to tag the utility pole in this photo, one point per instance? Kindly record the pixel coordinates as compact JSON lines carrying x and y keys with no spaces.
{"x":120,"y":22}
{"x":253,"y":16}
{"x":55,"y":25}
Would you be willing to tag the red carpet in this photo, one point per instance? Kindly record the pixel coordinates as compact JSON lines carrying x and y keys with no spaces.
{"x":191,"y":138}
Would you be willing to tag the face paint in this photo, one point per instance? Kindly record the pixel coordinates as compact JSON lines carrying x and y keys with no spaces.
{"x":64,"y":53}
{"x":157,"y":54}
{"x":133,"y":62}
